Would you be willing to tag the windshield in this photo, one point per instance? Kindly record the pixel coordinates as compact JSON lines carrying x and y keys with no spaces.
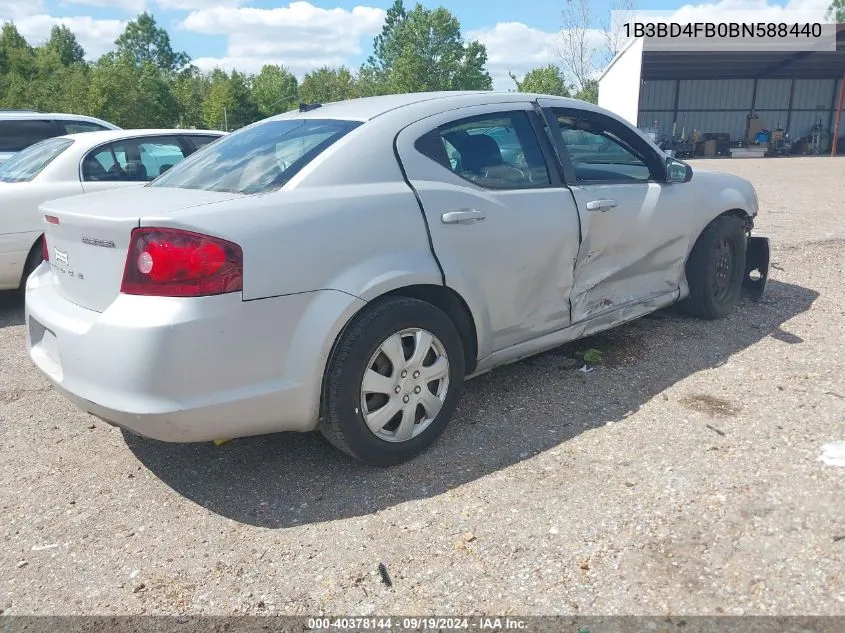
{"x":257,"y":159}
{"x":26,"y":165}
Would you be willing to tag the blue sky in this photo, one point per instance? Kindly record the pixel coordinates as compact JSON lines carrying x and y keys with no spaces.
{"x":303,"y":35}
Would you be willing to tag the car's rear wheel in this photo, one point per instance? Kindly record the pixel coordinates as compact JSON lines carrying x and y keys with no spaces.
{"x":33,"y":261}
{"x":716,"y":267}
{"x":393,"y":382}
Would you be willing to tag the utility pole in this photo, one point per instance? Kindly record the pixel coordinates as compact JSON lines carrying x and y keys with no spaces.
{"x":838,"y":117}
{"x":225,"y":121}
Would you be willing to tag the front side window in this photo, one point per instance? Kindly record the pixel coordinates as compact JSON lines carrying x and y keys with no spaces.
{"x":497,"y":151}
{"x":26,"y":165}
{"x":599,"y":153}
{"x":18,"y":134}
{"x":257,"y":159}
{"x":131,"y":160}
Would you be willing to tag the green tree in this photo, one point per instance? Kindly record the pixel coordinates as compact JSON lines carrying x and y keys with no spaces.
{"x":589,"y":91}
{"x":325,"y":85}
{"x":219,"y":102}
{"x":16,"y":56}
{"x":146,"y":42}
{"x":190,"y":89}
{"x":64,"y":43}
{"x":836,"y":11}
{"x":228,"y":105}
{"x":245,"y":110}
{"x":57,"y":86}
{"x":274,"y":90}
{"x":386,"y":49}
{"x":423,"y":49}
{"x":547,"y":80}
{"x":131,"y":95}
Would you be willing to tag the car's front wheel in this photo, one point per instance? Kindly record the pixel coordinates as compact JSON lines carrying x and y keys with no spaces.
{"x":393,"y":382}
{"x":716,"y":267}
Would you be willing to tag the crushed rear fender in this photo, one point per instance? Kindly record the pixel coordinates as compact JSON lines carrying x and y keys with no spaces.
{"x":756,"y":267}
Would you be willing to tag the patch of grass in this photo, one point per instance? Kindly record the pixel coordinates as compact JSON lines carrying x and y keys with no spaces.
{"x":593,"y":356}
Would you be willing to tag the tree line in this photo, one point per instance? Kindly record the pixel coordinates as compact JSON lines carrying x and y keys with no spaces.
{"x":144,"y":82}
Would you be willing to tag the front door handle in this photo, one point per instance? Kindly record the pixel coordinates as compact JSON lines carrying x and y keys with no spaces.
{"x":601,"y":205}
{"x":464,"y":216}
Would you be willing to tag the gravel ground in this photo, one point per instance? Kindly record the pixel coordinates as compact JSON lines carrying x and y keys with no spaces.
{"x":681,"y":476}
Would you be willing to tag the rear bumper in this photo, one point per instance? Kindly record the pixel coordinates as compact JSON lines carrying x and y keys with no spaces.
{"x":188,"y":370}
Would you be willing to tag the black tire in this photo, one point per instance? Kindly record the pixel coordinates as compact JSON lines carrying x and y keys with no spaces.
{"x":342,"y":421}
{"x":33,"y":261}
{"x":716,"y":267}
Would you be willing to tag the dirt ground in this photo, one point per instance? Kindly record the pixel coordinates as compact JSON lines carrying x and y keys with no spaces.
{"x":680,"y":477}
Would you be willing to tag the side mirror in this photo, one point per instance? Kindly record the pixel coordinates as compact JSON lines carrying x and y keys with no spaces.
{"x":677,"y":171}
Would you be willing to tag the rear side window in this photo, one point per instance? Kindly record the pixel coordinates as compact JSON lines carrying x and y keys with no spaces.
{"x":17,"y":135}
{"x":497,"y":151}
{"x":132,"y":160}
{"x":77,"y":127}
{"x":26,"y":165}
{"x":257,"y":159}
{"x":195,"y":141}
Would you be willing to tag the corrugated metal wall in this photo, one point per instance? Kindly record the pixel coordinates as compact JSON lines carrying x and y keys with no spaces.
{"x":724,"y":105}
{"x":715,"y":94}
{"x":657,"y":95}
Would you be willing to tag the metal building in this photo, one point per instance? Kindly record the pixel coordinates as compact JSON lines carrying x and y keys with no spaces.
{"x":716,"y":91}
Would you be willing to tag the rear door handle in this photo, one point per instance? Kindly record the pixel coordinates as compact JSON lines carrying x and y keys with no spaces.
{"x":601,"y":205}
{"x":464,"y":216}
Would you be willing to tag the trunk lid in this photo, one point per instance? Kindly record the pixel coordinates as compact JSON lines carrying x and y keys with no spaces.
{"x":88,"y":236}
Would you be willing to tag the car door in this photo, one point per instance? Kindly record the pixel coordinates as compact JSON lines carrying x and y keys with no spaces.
{"x":502,"y":226}
{"x":633,"y":222}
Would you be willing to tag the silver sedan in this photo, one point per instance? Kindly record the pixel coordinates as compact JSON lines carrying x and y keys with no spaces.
{"x":345,"y":267}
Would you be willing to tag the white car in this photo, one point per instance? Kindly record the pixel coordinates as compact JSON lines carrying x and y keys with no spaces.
{"x":21,"y":128}
{"x":74,"y":164}
{"x":345,"y":267}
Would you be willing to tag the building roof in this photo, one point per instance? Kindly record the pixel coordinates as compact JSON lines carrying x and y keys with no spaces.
{"x":686,"y":64}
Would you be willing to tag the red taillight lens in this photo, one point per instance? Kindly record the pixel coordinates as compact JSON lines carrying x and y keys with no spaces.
{"x":175,"y":263}
{"x":45,"y":252}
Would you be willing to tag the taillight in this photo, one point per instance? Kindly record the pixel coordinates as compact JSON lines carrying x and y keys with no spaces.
{"x":175,"y":263}
{"x":45,"y":252}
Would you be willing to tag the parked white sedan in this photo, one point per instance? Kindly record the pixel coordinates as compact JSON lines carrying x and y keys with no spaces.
{"x":74,"y":164}
{"x":345,"y":267}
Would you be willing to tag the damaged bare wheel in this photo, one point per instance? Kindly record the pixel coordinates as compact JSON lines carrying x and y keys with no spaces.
{"x":393,"y":382}
{"x":716,"y":268}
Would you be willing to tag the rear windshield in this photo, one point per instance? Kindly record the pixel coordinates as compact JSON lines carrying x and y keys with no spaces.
{"x":257,"y":159}
{"x":26,"y":165}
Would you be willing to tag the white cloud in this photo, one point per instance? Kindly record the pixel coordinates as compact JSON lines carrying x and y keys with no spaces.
{"x":517,"y":48}
{"x":17,"y":9}
{"x":127,"y":6}
{"x":95,"y":36}
{"x":192,"y":5}
{"x":299,"y":36}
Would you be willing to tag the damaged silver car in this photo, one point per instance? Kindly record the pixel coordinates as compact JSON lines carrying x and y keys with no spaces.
{"x":345,"y":267}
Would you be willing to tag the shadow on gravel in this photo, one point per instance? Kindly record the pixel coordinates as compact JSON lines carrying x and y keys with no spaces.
{"x":11,"y":308}
{"x":504,"y":417}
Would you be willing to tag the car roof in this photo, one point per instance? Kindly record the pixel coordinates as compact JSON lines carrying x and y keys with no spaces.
{"x":104,"y":136}
{"x":60,"y":116}
{"x":366,"y":108}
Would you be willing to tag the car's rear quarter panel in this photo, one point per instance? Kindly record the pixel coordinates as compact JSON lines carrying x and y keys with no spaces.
{"x":363,"y":240}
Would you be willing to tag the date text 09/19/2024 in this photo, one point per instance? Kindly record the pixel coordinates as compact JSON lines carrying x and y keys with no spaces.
{"x":415,"y":624}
